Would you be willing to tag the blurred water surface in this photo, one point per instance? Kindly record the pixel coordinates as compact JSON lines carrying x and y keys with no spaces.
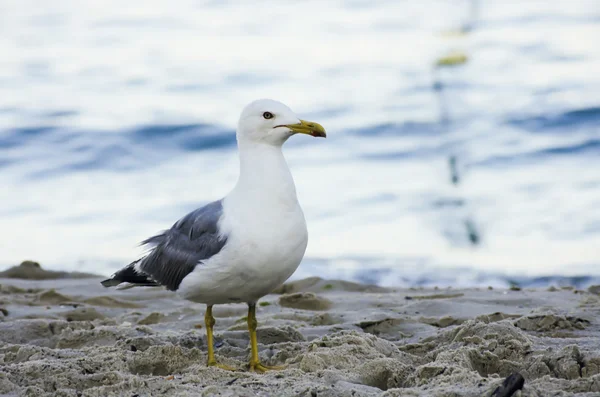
{"x":118,"y":118}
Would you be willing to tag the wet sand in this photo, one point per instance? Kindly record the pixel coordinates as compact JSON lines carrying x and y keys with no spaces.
{"x":72,"y":337}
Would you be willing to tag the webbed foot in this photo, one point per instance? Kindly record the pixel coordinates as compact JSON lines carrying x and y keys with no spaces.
{"x":260,"y":368}
{"x":219,"y":365}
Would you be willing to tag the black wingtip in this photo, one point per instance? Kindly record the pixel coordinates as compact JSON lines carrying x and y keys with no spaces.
{"x":110,"y":282}
{"x":129,"y":275}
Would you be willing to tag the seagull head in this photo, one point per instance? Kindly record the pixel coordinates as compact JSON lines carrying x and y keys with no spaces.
{"x":272,"y":122}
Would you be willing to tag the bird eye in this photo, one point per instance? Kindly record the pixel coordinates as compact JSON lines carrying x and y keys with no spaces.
{"x":268,"y":115}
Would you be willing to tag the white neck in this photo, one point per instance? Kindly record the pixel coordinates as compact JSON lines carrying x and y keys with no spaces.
{"x":264,"y":173}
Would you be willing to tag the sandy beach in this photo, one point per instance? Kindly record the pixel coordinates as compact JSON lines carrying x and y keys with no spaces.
{"x":68,"y":336}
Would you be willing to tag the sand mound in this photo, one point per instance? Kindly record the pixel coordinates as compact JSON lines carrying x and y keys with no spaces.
{"x":30,"y":270}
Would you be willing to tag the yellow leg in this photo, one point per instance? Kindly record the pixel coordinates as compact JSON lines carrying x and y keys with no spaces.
{"x":209,"y":320}
{"x":255,"y":365}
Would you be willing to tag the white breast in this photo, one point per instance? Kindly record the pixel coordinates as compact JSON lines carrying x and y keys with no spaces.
{"x":266,"y":240}
{"x":263,"y":249}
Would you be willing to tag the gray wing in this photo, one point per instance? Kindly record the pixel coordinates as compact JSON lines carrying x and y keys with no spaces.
{"x":177,"y":251}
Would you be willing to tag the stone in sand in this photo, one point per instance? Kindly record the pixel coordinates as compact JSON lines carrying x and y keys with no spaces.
{"x":152,"y":318}
{"x":594,"y":289}
{"x":305,"y":301}
{"x":317,"y":284}
{"x":51,"y":297}
{"x":83,"y":314}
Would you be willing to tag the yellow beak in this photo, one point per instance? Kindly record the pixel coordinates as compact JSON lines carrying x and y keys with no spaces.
{"x":308,"y":127}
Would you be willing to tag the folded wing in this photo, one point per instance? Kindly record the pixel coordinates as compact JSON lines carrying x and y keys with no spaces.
{"x":176,"y":252}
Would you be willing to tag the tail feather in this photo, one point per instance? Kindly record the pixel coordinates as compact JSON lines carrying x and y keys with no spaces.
{"x":131,"y":276}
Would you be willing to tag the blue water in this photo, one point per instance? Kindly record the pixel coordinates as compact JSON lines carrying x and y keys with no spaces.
{"x":115,"y":121}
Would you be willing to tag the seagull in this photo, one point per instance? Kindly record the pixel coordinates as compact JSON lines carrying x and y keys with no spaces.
{"x":243,"y":246}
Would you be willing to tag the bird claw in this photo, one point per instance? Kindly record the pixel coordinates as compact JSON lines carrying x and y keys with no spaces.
{"x":260,"y":368}
{"x":221,"y":366}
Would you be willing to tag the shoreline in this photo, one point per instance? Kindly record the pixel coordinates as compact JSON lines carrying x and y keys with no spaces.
{"x":426,"y":277}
